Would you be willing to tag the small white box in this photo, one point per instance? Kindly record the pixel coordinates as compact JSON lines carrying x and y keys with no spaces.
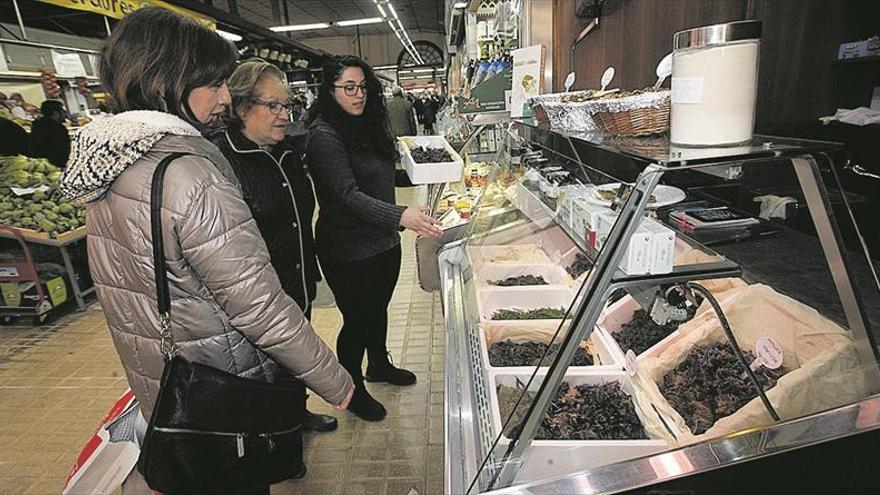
{"x":637,"y":255}
{"x":584,"y":217}
{"x":430,"y":173}
{"x":662,"y":256}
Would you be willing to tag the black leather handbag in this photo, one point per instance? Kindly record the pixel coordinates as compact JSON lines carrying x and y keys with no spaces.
{"x":212,"y":431}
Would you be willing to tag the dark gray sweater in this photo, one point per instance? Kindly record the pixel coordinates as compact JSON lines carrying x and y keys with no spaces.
{"x":358,"y":217}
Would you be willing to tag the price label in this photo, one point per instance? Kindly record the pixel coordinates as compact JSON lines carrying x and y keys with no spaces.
{"x":607,"y":76}
{"x":769,"y":354}
{"x":632,"y":366}
{"x":569,"y":81}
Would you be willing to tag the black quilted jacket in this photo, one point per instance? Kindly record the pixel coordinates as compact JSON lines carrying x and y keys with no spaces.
{"x":286,"y":225}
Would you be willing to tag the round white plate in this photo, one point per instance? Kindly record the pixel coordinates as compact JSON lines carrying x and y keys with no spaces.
{"x":663,"y":195}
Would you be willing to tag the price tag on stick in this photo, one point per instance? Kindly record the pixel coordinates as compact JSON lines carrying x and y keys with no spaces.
{"x":769,"y":354}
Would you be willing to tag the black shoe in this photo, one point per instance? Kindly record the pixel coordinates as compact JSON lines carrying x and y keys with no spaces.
{"x":319,"y":422}
{"x":300,"y":474}
{"x":364,"y":406}
{"x":387,"y":372}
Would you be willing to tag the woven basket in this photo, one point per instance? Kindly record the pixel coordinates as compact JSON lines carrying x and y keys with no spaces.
{"x":566,"y":115}
{"x":637,"y":115}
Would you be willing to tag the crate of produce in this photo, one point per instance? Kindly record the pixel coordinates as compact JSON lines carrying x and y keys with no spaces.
{"x":513,"y":275}
{"x":631,"y":433}
{"x":696,"y":382}
{"x":31,"y":201}
{"x":524,"y":303}
{"x":430,"y":160}
{"x":518,"y":347}
{"x":631,"y":328}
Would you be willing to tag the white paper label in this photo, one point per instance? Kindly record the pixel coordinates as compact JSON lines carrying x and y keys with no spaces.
{"x":28,"y":190}
{"x":508,"y":99}
{"x":68,"y":64}
{"x":664,"y":68}
{"x":688,"y":90}
{"x":607,"y":76}
{"x":769,"y":352}
{"x":569,"y":81}
{"x":632,"y":366}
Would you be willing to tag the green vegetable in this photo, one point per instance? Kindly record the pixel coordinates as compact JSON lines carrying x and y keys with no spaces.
{"x":529,"y":314}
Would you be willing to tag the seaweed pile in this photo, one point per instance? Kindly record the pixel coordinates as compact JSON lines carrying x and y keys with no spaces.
{"x":640,"y":333}
{"x":510,"y":353}
{"x":584,"y":412}
{"x":519,"y":281}
{"x":580,"y":265}
{"x":711,"y":384}
{"x":529,"y":314}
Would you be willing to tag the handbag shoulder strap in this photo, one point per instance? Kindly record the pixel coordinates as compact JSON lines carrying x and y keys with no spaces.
{"x":160,"y":270}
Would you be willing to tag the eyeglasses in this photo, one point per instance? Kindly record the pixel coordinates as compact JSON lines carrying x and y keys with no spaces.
{"x":275,"y":107}
{"x":351,"y":89}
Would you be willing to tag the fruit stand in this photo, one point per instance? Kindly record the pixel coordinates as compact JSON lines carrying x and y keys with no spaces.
{"x":35,"y":214}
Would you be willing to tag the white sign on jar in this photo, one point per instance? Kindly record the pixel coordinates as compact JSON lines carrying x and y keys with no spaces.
{"x":714,"y":87}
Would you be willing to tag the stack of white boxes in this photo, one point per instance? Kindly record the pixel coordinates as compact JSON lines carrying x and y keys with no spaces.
{"x":650,"y":250}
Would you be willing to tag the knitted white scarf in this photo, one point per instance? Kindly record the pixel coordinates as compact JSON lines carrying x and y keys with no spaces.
{"x":103,"y":149}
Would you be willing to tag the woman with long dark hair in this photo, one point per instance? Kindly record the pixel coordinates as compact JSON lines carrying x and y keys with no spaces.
{"x":352,"y":154}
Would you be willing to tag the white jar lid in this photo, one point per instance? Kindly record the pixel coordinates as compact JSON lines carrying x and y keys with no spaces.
{"x":717,"y":34}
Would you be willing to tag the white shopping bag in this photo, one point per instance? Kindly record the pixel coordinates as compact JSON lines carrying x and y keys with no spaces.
{"x":110,"y":454}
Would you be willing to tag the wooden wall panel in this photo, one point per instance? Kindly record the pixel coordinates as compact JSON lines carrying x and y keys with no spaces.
{"x":798,"y":80}
{"x":633,"y":36}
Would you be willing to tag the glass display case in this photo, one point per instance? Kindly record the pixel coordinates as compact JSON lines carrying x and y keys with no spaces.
{"x":453,"y":203}
{"x":638,"y":305}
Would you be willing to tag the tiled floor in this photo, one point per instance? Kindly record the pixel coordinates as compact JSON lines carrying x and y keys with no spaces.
{"x":58,"y":381}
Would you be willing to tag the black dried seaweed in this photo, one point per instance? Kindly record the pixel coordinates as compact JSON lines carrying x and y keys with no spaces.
{"x":509,"y":353}
{"x":580,"y":265}
{"x":519,"y":281}
{"x":711,"y":384}
{"x":584,"y":412}
{"x":641,"y":332}
{"x":529,"y":314}
{"x":423,"y":154}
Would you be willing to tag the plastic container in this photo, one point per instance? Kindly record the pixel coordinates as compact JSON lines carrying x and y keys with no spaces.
{"x":545,"y":458}
{"x":715,"y":84}
{"x":604,"y":357}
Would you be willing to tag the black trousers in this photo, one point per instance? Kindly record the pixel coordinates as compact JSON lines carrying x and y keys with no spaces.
{"x":363,"y":290}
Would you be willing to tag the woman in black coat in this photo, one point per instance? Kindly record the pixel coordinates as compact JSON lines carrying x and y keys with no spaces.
{"x":275,"y":185}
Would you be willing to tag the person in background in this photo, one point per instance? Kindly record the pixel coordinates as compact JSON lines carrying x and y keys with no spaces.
{"x":15,"y":138}
{"x":429,"y":112}
{"x":17,"y":106}
{"x":49,"y":138}
{"x":352,"y":156}
{"x":400,"y":114}
{"x":229,"y":310}
{"x":275,"y":184}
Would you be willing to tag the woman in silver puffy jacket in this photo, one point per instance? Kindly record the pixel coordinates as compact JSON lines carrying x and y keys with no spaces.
{"x":166,"y":75}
